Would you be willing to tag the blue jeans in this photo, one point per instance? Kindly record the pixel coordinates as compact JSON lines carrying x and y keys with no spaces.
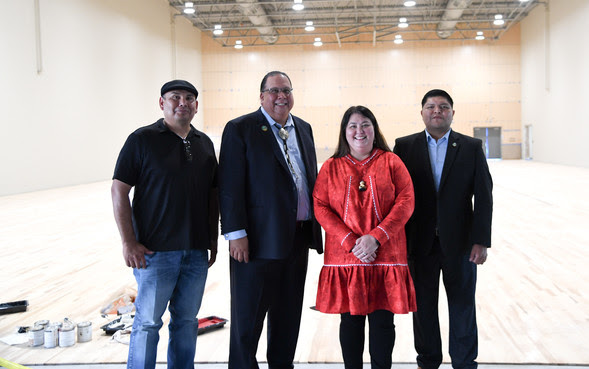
{"x":177,"y":277}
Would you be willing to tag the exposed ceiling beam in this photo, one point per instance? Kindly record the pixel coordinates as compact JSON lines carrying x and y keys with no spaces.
{"x":262,"y":22}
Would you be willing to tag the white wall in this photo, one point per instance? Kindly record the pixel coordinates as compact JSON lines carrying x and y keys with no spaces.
{"x":555,"y":79}
{"x":103,"y":63}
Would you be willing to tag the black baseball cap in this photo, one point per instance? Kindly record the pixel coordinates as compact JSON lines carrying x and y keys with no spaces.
{"x":178,"y":84}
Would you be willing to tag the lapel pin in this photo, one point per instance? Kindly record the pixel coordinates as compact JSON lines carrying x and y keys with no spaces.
{"x":264,"y":128}
{"x":453,"y":144}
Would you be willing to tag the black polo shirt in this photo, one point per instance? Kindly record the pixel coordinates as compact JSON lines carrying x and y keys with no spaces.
{"x":171,"y":193}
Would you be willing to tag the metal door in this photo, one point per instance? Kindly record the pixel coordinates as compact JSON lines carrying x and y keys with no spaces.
{"x":491,"y":137}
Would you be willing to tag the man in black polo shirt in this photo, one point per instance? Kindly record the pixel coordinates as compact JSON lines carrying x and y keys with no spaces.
{"x":170,"y":225}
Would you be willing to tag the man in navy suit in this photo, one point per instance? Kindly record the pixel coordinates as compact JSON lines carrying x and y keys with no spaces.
{"x":446,"y":234}
{"x":267,"y":170}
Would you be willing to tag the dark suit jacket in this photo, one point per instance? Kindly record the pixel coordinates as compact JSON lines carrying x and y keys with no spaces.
{"x":256,"y":189}
{"x":465,"y":174}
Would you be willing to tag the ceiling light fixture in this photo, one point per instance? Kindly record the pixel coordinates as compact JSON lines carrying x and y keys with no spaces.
{"x":398,"y":39}
{"x":298,"y":5}
{"x":238,"y":44}
{"x":189,"y":8}
{"x":480,"y":36}
{"x":409,"y":3}
{"x":317,"y":42}
{"x":218,"y":31}
{"x":498,"y":20}
{"x":309,"y":27}
{"x":403,"y":23}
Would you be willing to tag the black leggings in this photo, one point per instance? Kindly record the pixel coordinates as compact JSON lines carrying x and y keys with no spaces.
{"x":381,"y":339}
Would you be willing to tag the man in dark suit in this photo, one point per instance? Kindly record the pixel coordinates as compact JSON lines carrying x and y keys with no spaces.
{"x":445,"y":234}
{"x":267,"y":170}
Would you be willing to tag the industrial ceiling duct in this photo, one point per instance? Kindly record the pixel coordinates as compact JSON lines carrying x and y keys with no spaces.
{"x":452,"y":14}
{"x":257,"y":15}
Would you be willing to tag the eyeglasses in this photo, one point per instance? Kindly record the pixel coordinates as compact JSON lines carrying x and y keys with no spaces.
{"x":275,"y":91}
{"x":187,"y":151}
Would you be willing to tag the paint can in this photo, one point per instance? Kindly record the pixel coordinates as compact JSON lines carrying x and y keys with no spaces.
{"x":51,"y":337}
{"x":35,"y":335}
{"x":84,"y":331}
{"x":67,"y":335}
{"x":42,"y":323}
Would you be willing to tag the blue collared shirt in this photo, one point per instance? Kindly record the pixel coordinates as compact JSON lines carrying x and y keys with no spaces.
{"x":437,"y":155}
{"x":299,"y":176}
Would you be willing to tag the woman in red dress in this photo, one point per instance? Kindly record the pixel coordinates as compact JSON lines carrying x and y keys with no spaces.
{"x":363,"y":198}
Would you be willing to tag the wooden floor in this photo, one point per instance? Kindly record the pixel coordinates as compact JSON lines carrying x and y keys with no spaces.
{"x":60,"y":250}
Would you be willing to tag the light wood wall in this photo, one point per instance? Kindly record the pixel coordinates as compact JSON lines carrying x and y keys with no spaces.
{"x":104,"y":61}
{"x":482,"y":77}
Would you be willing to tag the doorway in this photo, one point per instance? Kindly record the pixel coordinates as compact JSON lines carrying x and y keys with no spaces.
{"x":491,"y":137}
{"x":528,"y":142}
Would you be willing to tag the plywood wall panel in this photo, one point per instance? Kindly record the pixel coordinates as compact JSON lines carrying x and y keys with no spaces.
{"x":483,"y":79}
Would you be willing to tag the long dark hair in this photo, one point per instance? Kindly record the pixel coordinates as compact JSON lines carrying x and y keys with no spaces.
{"x":343,"y":148}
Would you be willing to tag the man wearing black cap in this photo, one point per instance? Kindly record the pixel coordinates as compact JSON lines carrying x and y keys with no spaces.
{"x":170,"y":225}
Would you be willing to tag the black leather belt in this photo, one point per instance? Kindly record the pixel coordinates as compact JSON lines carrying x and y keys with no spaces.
{"x":304,"y":224}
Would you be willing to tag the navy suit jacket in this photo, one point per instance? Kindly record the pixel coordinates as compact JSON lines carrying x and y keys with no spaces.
{"x":256,"y":189}
{"x":465,"y":175}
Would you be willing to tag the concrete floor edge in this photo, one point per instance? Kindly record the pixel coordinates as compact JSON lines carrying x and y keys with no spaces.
{"x":316,"y":365}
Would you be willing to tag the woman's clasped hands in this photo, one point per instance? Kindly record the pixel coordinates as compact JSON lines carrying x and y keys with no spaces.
{"x":365,"y":248}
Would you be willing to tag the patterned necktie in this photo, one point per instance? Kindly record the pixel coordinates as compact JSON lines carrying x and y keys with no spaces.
{"x":283,"y":133}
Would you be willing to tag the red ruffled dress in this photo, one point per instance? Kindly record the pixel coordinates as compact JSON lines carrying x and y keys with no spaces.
{"x":346,"y":284}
